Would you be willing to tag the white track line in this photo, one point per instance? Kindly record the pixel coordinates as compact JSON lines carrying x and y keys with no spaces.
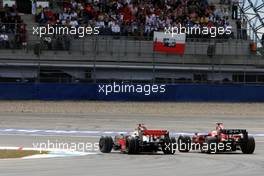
{"x":53,"y":153}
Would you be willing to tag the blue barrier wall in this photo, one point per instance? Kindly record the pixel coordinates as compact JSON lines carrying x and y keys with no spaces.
{"x":176,"y":92}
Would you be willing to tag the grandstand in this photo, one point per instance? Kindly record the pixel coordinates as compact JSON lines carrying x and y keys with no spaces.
{"x":124,"y":49}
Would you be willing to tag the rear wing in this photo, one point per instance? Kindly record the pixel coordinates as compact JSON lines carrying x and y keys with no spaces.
{"x":157,"y":133}
{"x":234,"y":131}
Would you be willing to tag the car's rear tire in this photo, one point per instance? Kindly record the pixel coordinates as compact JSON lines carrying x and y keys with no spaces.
{"x":106,"y":144}
{"x":184,"y":143}
{"x":212,"y":144}
{"x":168,"y":147}
{"x":132,"y":145}
{"x":249,"y":146}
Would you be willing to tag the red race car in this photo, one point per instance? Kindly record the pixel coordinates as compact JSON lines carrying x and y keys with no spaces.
{"x":220,"y":140}
{"x":141,"y":140}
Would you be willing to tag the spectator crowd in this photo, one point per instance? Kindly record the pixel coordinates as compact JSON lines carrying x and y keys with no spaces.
{"x":12,"y":28}
{"x":135,"y":17}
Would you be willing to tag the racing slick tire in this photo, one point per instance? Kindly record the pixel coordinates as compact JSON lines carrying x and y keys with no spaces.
{"x":168,"y":147}
{"x":132,"y":146}
{"x":212,"y":145}
{"x":184,"y":143}
{"x":106,"y":144}
{"x":249,"y":146}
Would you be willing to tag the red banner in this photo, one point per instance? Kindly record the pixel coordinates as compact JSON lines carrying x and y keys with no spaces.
{"x":169,"y":43}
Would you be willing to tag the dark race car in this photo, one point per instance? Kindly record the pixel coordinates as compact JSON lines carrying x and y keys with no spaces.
{"x":141,"y":140}
{"x":220,"y":140}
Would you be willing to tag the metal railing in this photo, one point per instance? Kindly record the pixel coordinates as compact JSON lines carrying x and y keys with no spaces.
{"x":49,"y":76}
{"x":195,"y":44}
{"x":121,"y":45}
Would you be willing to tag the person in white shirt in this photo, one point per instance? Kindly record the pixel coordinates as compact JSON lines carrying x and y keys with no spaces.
{"x":226,"y":14}
{"x":100,"y":24}
{"x":73,"y":14}
{"x":74,"y":22}
{"x":148,"y":24}
{"x":65,"y":15}
{"x":115,"y":28}
{"x":74,"y":4}
{"x":4,"y":40}
{"x":34,"y":7}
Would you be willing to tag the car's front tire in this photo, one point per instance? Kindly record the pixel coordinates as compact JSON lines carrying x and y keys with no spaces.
{"x":132,"y":145}
{"x":106,"y":144}
{"x":212,"y":145}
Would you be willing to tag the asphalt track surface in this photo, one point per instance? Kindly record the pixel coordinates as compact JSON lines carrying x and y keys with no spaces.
{"x":24,"y":129}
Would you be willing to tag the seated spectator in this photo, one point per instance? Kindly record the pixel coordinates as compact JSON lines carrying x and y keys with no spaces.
{"x":12,"y":28}
{"x":4,"y":41}
{"x":38,"y":13}
{"x":136,"y":17}
{"x":115,"y":28}
{"x":74,"y":22}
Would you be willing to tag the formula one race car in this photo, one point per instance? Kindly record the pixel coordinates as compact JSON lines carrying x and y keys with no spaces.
{"x":220,"y":140}
{"x":141,"y":140}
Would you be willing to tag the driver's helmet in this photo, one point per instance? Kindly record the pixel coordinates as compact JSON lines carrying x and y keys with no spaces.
{"x":219,"y":126}
{"x":141,"y":127}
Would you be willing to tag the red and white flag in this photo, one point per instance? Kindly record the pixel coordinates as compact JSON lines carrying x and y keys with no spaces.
{"x":169,"y":43}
